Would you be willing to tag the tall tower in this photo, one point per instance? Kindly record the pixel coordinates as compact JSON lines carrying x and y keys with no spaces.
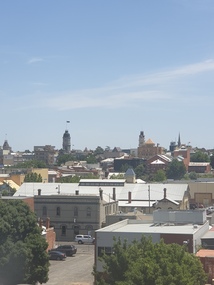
{"x":66,"y":142}
{"x":141,"y":139}
{"x":179,"y":140}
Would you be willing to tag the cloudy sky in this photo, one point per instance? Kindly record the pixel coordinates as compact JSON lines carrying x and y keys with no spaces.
{"x":111,"y":68}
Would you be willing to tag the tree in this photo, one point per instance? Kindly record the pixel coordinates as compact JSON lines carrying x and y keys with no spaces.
{"x":117,"y":176}
{"x":98,"y":150}
{"x":125,"y":167}
{"x":193,"y":175}
{"x":199,"y":156}
{"x":160,"y":175}
{"x":175,"y":170}
{"x":23,"y":256}
{"x":91,"y":159}
{"x":145,"y":262}
{"x":31,"y":163}
{"x":33,"y":177}
{"x":139,"y":170}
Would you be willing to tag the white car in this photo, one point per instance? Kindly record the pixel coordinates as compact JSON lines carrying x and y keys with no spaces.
{"x":84,"y":239}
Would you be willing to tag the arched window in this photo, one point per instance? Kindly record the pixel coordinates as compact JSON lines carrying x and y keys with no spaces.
{"x":44,"y":211}
{"x":75,"y":211}
{"x":58,"y":211}
{"x":88,"y":212}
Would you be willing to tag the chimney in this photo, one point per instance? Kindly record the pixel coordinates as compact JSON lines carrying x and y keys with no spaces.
{"x":101,"y":193}
{"x":164,"y":193}
{"x":129,"y":197}
{"x":114,"y":194}
{"x":77,"y":192}
{"x":47,"y":223}
{"x":39,"y":192}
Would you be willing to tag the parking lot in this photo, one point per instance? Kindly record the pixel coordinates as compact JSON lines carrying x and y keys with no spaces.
{"x":75,"y":270}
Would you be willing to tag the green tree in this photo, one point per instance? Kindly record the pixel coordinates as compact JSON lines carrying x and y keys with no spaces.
{"x":98,"y":150}
{"x":199,"y":156}
{"x":148,"y":263}
{"x":33,"y":177}
{"x":118,"y":176}
{"x":91,"y":159}
{"x":23,"y":256}
{"x":175,"y":170}
{"x":160,"y":175}
{"x":139,"y":170}
{"x":31,"y":164}
{"x":125,"y":167}
{"x":70,"y":179}
{"x":193,"y":175}
{"x":62,"y":159}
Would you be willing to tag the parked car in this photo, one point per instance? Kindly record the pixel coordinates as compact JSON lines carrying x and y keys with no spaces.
{"x":84,"y":239}
{"x":57,"y":255}
{"x":69,"y":250}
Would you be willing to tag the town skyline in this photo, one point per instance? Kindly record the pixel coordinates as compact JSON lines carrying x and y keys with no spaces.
{"x":111,"y":68}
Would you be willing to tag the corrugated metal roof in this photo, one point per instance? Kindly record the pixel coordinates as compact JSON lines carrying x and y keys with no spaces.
{"x":139,"y":192}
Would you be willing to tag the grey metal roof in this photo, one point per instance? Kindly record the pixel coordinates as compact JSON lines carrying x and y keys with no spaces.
{"x":138,"y":226}
{"x":139,"y":192}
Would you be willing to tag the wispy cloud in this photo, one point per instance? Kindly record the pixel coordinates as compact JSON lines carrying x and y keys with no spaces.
{"x":35,"y":60}
{"x":163,"y":86}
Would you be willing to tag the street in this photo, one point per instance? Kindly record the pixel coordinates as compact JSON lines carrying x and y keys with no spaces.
{"x":75,"y":270}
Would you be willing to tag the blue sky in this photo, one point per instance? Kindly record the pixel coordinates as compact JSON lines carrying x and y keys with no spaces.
{"x":111,"y":68}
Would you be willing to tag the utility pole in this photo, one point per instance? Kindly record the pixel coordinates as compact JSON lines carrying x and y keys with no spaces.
{"x":149,"y":197}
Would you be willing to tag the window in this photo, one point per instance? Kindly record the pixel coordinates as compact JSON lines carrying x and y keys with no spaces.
{"x":88,"y":212}
{"x":63,"y":232}
{"x":106,"y":250}
{"x":58,"y":211}
{"x":75,"y":211}
{"x":44,"y":211}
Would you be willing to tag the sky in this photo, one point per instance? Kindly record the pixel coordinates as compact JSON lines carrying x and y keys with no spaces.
{"x":111,"y":68}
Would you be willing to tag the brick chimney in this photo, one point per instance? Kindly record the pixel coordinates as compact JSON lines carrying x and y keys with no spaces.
{"x":129,"y":197}
{"x":164,"y":193}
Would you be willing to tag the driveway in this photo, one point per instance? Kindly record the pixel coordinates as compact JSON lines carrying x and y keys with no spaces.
{"x":75,"y":270}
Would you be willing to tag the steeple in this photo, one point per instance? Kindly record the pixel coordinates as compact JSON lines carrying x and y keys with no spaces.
{"x":179,"y":140}
{"x":141,"y":139}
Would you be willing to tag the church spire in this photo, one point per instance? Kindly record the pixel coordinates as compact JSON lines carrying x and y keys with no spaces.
{"x":179,"y":140}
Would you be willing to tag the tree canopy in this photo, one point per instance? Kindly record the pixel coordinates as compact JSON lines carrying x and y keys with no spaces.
{"x":31,"y":163}
{"x":176,"y":170}
{"x":33,"y":177}
{"x":147,"y":263}
{"x":23,"y":256}
{"x":200,"y":156}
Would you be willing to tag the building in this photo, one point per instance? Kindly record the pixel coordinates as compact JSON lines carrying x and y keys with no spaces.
{"x":74,"y":214}
{"x":45,"y":153}
{"x":121,"y":162}
{"x":184,"y":152}
{"x":148,"y":149}
{"x":129,"y":195}
{"x":199,"y":167}
{"x":66,"y":142}
{"x":158,"y":162}
{"x":181,"y":227}
{"x":201,"y":194}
